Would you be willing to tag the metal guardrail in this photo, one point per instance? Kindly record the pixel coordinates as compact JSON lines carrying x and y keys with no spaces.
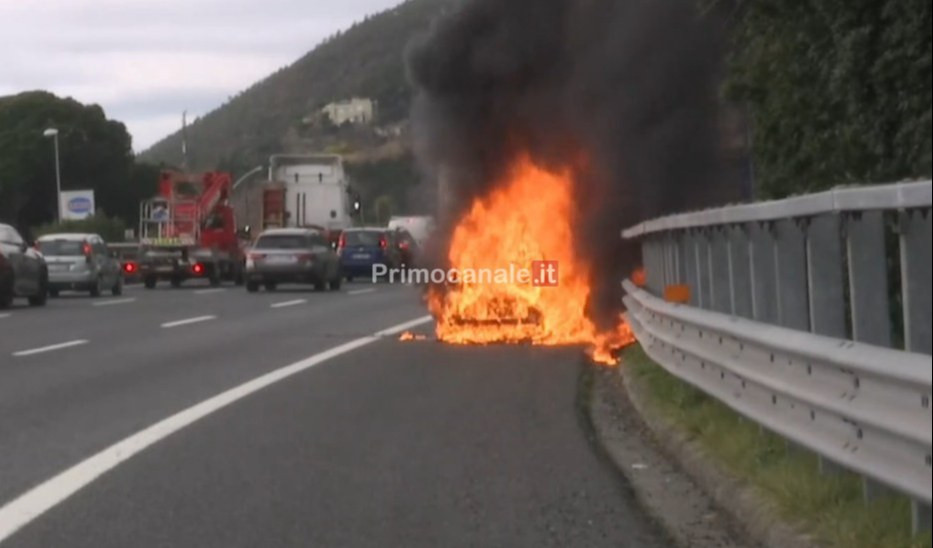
{"x":809,"y":316}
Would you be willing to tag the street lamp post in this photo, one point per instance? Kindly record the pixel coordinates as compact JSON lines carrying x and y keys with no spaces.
{"x":243,"y":179}
{"x":53,"y":133}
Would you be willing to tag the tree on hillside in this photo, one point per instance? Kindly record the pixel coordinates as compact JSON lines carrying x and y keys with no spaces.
{"x":838,"y":91}
{"x":95,"y":153}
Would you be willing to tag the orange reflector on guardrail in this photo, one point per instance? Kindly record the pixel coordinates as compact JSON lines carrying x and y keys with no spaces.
{"x":639,"y":278}
{"x":677,"y":294}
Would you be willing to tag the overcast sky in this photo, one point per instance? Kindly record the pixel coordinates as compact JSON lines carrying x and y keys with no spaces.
{"x":145,"y":61}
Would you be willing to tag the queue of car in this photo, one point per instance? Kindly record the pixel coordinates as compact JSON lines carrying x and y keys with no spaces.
{"x":86,"y":263}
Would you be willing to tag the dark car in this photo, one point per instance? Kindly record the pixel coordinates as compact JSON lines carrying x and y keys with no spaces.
{"x":23,"y":272}
{"x":407,"y":247}
{"x":361,"y":249}
{"x":292,"y":255}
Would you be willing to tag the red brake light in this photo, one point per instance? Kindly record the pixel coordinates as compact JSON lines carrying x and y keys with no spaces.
{"x":383,"y":243}
{"x":129,"y":268}
{"x":86,"y":249}
{"x":198,"y":268}
{"x":342,"y":242}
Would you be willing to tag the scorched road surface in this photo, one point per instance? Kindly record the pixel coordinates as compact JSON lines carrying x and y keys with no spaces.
{"x":391,"y":444}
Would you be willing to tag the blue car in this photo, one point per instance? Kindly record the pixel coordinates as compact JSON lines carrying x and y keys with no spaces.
{"x":361,"y":249}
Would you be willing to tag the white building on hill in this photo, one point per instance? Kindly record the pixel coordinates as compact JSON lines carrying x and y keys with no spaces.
{"x":352,"y":111}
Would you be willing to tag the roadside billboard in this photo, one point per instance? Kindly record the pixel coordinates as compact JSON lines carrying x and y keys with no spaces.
{"x":76,"y":204}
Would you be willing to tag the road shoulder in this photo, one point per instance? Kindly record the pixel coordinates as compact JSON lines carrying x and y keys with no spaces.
{"x":691,"y":496}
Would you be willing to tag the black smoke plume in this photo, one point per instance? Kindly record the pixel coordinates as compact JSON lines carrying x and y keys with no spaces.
{"x":632,"y":84}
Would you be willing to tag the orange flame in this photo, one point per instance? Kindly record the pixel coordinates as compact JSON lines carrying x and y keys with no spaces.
{"x":529,"y":217}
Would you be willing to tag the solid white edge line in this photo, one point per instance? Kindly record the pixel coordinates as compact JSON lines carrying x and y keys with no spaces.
{"x":50,"y":348}
{"x":5,"y":315}
{"x":112,"y":302}
{"x":284,"y":304}
{"x":45,"y":496}
{"x":188,"y":321}
{"x":361,"y":291}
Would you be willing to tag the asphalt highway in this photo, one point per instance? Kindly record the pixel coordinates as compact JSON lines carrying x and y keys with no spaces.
{"x":281,"y":420}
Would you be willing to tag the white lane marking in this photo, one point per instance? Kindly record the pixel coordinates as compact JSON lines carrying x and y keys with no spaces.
{"x":209,"y":291}
{"x":50,"y":348}
{"x":361,"y":291}
{"x":40,"y":499}
{"x":111,"y":302}
{"x":296,"y":302}
{"x":199,"y":319}
{"x":5,"y":315}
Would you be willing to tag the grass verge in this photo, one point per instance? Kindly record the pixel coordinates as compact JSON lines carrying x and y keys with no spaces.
{"x":830,"y":507}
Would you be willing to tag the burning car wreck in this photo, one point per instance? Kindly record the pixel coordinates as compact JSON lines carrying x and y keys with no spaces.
{"x":552,"y":124}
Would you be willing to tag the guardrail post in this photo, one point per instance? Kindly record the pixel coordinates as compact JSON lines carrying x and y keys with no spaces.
{"x":824,"y":285}
{"x":701,"y":252}
{"x":692,"y":277}
{"x":681,"y":242}
{"x":915,"y":274}
{"x":719,"y":271}
{"x":920,"y":518}
{"x":652,"y":264}
{"x":868,"y":278}
{"x":790,"y":262}
{"x":740,"y":292}
{"x":761,"y":255}
{"x":824,"y":276}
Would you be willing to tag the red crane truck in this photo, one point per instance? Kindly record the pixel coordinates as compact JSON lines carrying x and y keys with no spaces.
{"x":189,"y":231}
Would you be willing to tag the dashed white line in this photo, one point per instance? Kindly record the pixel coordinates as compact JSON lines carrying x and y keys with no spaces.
{"x":187,"y":321}
{"x":209,"y":291}
{"x":361,"y":291}
{"x":284,"y":304}
{"x":40,"y":499}
{"x":5,"y":315}
{"x":50,"y":348}
{"x":112,"y":302}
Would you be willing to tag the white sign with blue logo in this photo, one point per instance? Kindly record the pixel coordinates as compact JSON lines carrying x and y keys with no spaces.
{"x":77,"y":204}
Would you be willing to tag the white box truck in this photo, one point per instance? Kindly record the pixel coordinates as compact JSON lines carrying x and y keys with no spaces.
{"x":312,"y":189}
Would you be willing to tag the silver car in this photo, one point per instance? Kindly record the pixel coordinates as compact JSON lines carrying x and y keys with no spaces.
{"x":292,"y":255}
{"x":80,"y":262}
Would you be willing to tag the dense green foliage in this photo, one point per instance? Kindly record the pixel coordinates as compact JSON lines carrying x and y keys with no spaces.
{"x":95,"y":153}
{"x":111,"y":229}
{"x":839,"y":91}
{"x":366,"y":60}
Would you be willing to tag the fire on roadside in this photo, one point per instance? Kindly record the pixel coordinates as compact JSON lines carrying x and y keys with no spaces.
{"x":528,"y":217}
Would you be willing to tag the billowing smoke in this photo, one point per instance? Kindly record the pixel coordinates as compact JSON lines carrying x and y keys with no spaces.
{"x":626,"y":90}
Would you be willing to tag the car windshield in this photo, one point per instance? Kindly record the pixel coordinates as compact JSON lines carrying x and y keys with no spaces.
{"x":283,"y":241}
{"x":61,"y":247}
{"x":362,"y":238}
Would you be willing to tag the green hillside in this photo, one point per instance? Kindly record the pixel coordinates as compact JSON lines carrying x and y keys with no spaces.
{"x":365,"y":60}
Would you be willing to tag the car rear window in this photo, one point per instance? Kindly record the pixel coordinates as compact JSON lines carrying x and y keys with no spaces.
{"x":61,"y":247}
{"x":283,"y":241}
{"x":362,"y":237}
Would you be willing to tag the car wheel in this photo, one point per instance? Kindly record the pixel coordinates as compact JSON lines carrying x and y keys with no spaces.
{"x":176,"y":282}
{"x":320,"y":285}
{"x":149,"y":282}
{"x":238,"y":277}
{"x":117,"y":288}
{"x":40,"y":298}
{"x":96,"y":289}
{"x":214,"y":280}
{"x":252,"y":287}
{"x":349,"y":278}
{"x":53,"y":293}
{"x":271,"y":286}
{"x":6,"y":293}
{"x":335,"y":284}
